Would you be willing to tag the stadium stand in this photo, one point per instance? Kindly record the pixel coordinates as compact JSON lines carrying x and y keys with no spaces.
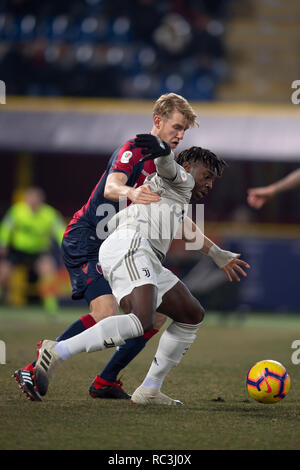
{"x":262,"y":43}
{"x":99,"y":48}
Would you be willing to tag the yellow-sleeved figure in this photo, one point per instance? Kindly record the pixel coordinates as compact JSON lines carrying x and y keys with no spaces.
{"x":26,"y":235}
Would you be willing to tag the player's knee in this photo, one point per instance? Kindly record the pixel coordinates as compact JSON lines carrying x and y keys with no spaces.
{"x":195,"y":314}
{"x":147,"y":322}
{"x":142,"y":303}
{"x":99,"y":313}
{"x":103,"y":307}
{"x":201,"y":313}
{"x":159,"y":320}
{"x":148,"y":326}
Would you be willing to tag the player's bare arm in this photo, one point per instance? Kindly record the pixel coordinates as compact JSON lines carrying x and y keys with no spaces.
{"x":257,"y":197}
{"x":226,"y":260}
{"x":116,"y":188}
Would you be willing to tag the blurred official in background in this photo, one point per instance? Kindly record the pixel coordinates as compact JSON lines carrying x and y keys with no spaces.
{"x":26,"y":234}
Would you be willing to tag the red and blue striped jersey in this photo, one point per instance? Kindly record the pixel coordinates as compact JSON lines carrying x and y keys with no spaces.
{"x":125,"y":159}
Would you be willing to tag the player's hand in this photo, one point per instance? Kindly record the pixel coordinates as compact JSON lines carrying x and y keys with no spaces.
{"x":257,"y":197}
{"x":152,"y":146}
{"x":234,"y":269}
{"x":143,"y":195}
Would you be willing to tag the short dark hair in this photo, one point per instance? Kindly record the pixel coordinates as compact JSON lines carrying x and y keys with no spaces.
{"x":205,"y":156}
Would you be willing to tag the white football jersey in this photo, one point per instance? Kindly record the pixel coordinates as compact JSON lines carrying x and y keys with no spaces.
{"x":158,"y":222}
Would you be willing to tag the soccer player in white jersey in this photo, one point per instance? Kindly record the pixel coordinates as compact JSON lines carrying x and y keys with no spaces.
{"x":131,"y":261}
{"x":124,"y":176}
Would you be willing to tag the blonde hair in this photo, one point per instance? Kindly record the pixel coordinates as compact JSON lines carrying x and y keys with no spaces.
{"x":170,"y":102}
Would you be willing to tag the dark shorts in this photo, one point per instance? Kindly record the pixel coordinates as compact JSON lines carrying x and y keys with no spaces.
{"x":88,"y":281}
{"x":18,"y":258}
{"x":80,"y":255}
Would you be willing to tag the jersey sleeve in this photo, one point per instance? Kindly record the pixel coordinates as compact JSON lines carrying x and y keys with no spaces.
{"x":127,"y":157}
{"x":183,"y":179}
{"x":166,"y":166}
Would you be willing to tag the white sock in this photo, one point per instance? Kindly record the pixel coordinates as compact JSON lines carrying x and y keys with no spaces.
{"x":109,"y":332}
{"x":173,"y":344}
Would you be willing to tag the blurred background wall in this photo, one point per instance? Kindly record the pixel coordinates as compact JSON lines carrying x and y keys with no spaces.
{"x":81,"y":77}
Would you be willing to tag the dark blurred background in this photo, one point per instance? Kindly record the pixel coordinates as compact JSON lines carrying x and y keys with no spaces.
{"x":120,"y":48}
{"x":67,"y":64}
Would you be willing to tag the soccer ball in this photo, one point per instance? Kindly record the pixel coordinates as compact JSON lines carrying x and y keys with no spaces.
{"x":268,"y":381}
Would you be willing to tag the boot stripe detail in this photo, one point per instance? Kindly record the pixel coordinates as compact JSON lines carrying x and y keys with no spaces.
{"x":47,"y":354}
{"x":46,"y":360}
{"x":44,"y":366}
{"x":28,"y":380}
{"x":25,"y":373}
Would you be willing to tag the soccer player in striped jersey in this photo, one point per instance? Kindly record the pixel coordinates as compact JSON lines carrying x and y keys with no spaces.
{"x":124,"y":177}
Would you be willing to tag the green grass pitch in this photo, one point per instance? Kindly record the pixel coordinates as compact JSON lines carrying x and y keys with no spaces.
{"x":217,"y":412}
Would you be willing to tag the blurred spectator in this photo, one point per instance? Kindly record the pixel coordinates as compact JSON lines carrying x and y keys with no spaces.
{"x":104,"y":48}
{"x":26,"y":234}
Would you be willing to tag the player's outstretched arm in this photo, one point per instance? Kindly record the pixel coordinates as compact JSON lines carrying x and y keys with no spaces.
{"x":257,"y":197}
{"x":229,"y":262}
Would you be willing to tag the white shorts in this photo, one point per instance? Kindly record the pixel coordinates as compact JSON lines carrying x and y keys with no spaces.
{"x":127,"y":261}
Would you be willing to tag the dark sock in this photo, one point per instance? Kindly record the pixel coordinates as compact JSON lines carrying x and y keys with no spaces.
{"x":84,"y":322}
{"x":124,"y":355}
